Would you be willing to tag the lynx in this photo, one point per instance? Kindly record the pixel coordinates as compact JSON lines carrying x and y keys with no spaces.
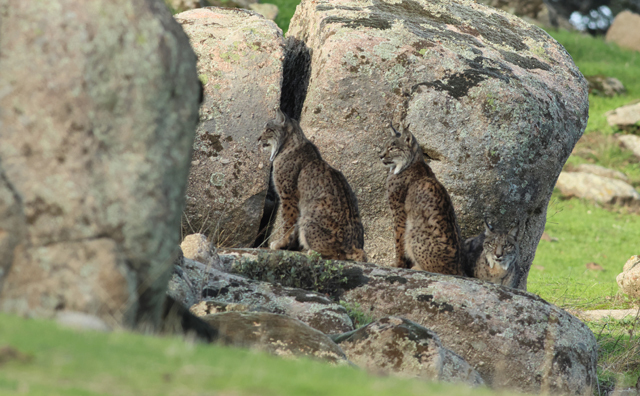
{"x":426,"y":230}
{"x":493,"y":256}
{"x":319,"y":209}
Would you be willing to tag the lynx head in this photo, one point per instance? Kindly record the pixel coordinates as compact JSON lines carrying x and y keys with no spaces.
{"x":501,"y":248}
{"x":277,"y":131}
{"x":400,"y":150}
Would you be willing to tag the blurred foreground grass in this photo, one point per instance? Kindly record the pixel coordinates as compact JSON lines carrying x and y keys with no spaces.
{"x":58,"y":361}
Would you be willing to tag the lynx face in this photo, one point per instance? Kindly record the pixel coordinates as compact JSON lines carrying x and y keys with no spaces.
{"x":501,"y":249}
{"x":399,"y":151}
{"x":275,"y":133}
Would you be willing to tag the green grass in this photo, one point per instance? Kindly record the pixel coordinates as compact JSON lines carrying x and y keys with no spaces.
{"x":286,"y":9}
{"x":59,"y":361}
{"x":595,"y":56}
{"x":585,"y":234}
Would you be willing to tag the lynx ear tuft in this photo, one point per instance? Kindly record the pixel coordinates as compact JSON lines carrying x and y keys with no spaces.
{"x":394,"y":133}
{"x":280,"y":117}
{"x":487,"y":227}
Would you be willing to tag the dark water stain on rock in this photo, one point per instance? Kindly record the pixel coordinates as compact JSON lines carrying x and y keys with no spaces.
{"x":528,"y":63}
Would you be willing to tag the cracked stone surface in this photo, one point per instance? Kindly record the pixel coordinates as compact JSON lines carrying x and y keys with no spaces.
{"x":514,"y":339}
{"x":99,"y":154}
{"x":240,"y":57}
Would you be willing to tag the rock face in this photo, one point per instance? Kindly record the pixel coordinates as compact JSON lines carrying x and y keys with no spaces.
{"x":625,"y":30}
{"x":625,"y":117}
{"x":12,"y":225}
{"x":514,"y":339}
{"x":200,"y":283}
{"x":629,"y":279}
{"x":276,"y":334}
{"x":240,"y":58}
{"x":99,"y":153}
{"x":597,"y":188}
{"x":496,"y":102}
{"x":605,"y":86}
{"x":401,"y":347}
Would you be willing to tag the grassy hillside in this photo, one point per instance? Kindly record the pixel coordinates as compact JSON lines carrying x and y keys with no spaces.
{"x":54,"y":361}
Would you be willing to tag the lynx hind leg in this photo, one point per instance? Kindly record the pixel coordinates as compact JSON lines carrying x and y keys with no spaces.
{"x":317,"y":238}
{"x":357,"y":255}
{"x":436,"y":257}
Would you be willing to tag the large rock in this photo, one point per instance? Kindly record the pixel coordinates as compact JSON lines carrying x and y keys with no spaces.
{"x":629,"y":279}
{"x":597,"y":188}
{"x":495,"y":101}
{"x":625,"y":31}
{"x":276,"y":334}
{"x":199,"y":283}
{"x":401,"y":347}
{"x":514,"y":339}
{"x":601,"y":171}
{"x":99,"y":108}
{"x":240,"y":58}
{"x":196,"y":247}
{"x":631,"y":142}
{"x":12,"y":225}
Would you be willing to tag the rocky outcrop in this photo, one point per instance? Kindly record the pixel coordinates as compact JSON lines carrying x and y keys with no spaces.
{"x":401,"y":347}
{"x":625,"y":31}
{"x":631,"y":142}
{"x":625,"y":117}
{"x":514,"y":339}
{"x":629,"y":279}
{"x":99,"y":154}
{"x":198,"y":283}
{"x":240,"y":64}
{"x":601,"y":171}
{"x":597,"y":188}
{"x":605,"y":86}
{"x":496,"y":102}
{"x":276,"y":334}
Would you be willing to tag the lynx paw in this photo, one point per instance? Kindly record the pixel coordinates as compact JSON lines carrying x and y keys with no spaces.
{"x":277,"y":245}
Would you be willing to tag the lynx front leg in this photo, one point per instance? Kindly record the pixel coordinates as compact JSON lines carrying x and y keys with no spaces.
{"x":290,"y":214}
{"x":399,"y":224}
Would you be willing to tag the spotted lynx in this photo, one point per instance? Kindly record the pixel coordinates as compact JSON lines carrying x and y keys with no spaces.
{"x":426,"y":230}
{"x":493,"y":256}
{"x":319,"y":209}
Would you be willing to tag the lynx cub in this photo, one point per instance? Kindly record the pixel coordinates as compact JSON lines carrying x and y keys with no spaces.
{"x":493,"y":256}
{"x":427,"y":234}
{"x":319,"y":209}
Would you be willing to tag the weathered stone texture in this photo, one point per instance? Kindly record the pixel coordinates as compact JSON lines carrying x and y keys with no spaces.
{"x":398,"y":346}
{"x":240,"y":58}
{"x":597,"y":188}
{"x":495,"y":101}
{"x":629,"y":279}
{"x":625,"y":30}
{"x":514,"y":339}
{"x":12,"y":224}
{"x":276,"y":334}
{"x":201,"y":283}
{"x":99,"y":106}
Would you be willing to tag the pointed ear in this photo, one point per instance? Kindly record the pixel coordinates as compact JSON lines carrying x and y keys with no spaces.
{"x":407,"y":136}
{"x":393,"y":131}
{"x":488,"y":229}
{"x":280,"y":117}
{"x":514,"y":232}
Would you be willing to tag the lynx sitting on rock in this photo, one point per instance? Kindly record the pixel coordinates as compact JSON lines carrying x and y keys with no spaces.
{"x":319,"y":209}
{"x":426,"y":230}
{"x":493,"y":256}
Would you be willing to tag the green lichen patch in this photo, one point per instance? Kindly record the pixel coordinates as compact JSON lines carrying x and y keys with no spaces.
{"x":292,"y":269}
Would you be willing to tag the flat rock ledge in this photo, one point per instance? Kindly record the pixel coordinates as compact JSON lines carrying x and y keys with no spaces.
{"x":514,"y":339}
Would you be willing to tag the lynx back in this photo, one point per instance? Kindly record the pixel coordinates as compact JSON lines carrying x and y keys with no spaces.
{"x":427,"y":236}
{"x":319,"y":209}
